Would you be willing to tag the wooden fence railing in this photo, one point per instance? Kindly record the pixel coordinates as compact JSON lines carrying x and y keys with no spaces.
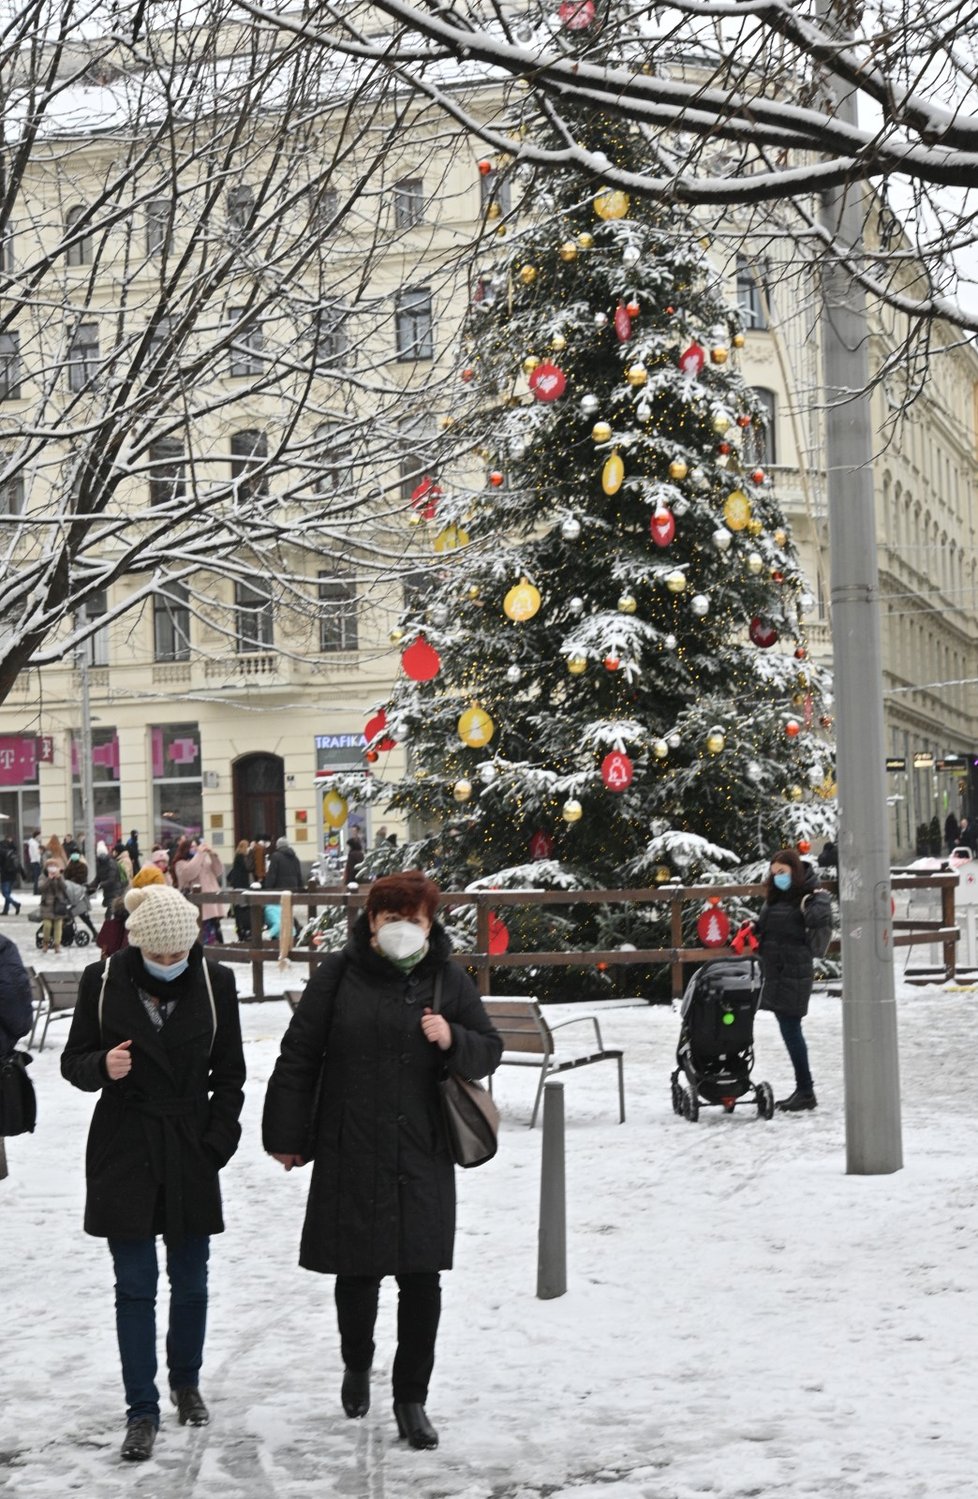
{"x":258,"y":952}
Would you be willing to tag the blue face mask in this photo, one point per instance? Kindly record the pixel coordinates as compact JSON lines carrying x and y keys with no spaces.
{"x":166,"y":971}
{"x":782,"y":881}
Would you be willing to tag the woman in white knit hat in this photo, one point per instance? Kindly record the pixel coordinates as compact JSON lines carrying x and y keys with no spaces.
{"x":156,"y":1029}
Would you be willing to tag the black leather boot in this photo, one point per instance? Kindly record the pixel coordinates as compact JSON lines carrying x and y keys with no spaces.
{"x":355,"y":1393}
{"x":414,"y":1424}
{"x":138,"y":1443}
{"x":191,"y":1410}
{"x":798,"y":1102}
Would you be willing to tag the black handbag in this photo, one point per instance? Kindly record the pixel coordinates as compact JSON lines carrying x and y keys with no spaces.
{"x":18,"y":1102}
{"x":471,"y":1116}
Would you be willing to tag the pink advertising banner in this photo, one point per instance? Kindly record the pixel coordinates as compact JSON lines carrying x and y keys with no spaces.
{"x":18,"y":759}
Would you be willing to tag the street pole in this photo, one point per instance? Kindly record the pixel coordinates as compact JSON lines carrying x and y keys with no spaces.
{"x":870,"y":1057}
{"x":85,"y":752}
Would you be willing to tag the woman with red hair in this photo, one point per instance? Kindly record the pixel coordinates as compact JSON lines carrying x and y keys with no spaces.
{"x":382,"y":1196}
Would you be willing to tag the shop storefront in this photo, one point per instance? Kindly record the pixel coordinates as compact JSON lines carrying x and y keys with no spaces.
{"x":20,"y":802}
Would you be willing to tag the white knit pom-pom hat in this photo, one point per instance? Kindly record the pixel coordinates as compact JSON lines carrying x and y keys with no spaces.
{"x":161,"y":919}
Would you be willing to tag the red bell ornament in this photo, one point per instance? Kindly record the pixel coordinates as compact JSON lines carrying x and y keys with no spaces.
{"x":375,"y":726}
{"x":617,"y":771}
{"x":425,"y":497}
{"x":576,"y":15}
{"x":692,"y":360}
{"x":662,"y":527}
{"x":498,"y":935}
{"x":762,"y":632}
{"x":541,"y":845}
{"x":713,"y":926}
{"x":547,"y":382}
{"x":633,"y":309}
{"x":421,"y":661}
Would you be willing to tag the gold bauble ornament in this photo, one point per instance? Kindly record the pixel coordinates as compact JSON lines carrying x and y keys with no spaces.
{"x":601,"y":432}
{"x":568,"y":250}
{"x":396,"y":636}
{"x":336,"y":809}
{"x":586,"y":241}
{"x":612,"y":475}
{"x":627,"y":604}
{"x":826,"y":789}
{"x":451,"y":539}
{"x":530,"y":363}
{"x":719,"y":354}
{"x":794,"y":793}
{"x":475,"y":727}
{"x":572,"y":811}
{"x":660,"y":749}
{"x":662,"y":874}
{"x":738,"y":340}
{"x":494,"y":211}
{"x":780,"y":537}
{"x":522,"y":601}
{"x":676,"y":582}
{"x":754,"y":526}
{"x":473,"y":591}
{"x":678,"y":468}
{"x":636,"y":375}
{"x":715,"y":741}
{"x":558,"y":343}
{"x":528,"y":274}
{"x":611,"y":203}
{"x":736,"y":510}
{"x":576,"y":665}
{"x":721,"y":423}
{"x":462,"y":790}
{"x":501,"y":230}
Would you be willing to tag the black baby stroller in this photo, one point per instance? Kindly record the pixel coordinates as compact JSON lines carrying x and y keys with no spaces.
{"x":716,"y":1041}
{"x":73,"y":934}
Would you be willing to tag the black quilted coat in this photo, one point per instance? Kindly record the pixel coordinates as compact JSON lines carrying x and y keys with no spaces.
{"x":787,"y":969}
{"x":160,"y":1135}
{"x":382,"y":1195}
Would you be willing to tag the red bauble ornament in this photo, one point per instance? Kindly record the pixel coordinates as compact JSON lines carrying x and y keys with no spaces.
{"x":547,"y":382}
{"x":612,"y":663}
{"x":762,"y":632}
{"x":743,"y":420}
{"x":617,"y":771}
{"x":758,"y":476}
{"x":421,"y":661}
{"x":777,"y":576}
{"x":792,"y":728}
{"x":723,"y":448}
{"x":670,"y":311}
{"x":485,"y":167}
{"x":804,"y":847}
{"x":373,"y":756}
{"x":467,"y":375}
{"x":623,"y":324}
{"x":632,"y":308}
{"x":577,"y":15}
{"x":375,"y":726}
{"x":495,"y":478}
{"x":662,"y":527}
{"x":425,"y":497}
{"x":713,"y":926}
{"x":800,"y":653}
{"x":692,"y":360}
{"x":498,"y":934}
{"x":541,"y":845}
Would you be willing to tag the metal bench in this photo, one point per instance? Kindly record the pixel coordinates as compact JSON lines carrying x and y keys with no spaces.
{"x":528,"y":1041}
{"x":58,"y":993}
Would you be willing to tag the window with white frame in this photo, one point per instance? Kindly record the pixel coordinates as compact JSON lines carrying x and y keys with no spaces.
{"x":159,"y":226}
{"x":11,"y":491}
{"x":9,"y":366}
{"x":753,"y":291}
{"x":246,"y":346}
{"x":338,"y":623}
{"x":83,"y":356}
{"x":333,"y":456}
{"x":166,"y":471}
{"x":254,"y":617}
{"x":80,"y":249}
{"x":414,"y":324}
{"x":330,"y":336}
{"x":408,"y":202}
{"x":96,"y":647}
{"x":249,"y":451}
{"x":171,"y":622}
{"x":763,"y":439}
{"x":241,"y":206}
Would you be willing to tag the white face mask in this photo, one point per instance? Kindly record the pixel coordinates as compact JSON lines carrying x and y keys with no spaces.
{"x":400,"y":939}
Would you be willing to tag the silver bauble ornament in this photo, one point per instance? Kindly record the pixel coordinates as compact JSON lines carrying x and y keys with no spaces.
{"x":575,"y":606}
{"x":722,"y":539}
{"x":670,"y":642}
{"x":630,"y":256}
{"x":660,"y":749}
{"x":806,"y":601}
{"x":700,"y":605}
{"x":517,"y":448}
{"x":589,"y":404}
{"x":680,"y":507}
{"x":753,"y":770}
{"x":601,"y":320}
{"x":487,"y":773}
{"x":697,"y":477}
{"x":438,"y":614}
{"x":513,"y":675}
{"x":643,"y":411}
{"x":570,"y":530}
{"x":673,"y":740}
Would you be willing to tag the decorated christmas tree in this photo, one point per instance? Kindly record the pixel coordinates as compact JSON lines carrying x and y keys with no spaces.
{"x":606,"y":680}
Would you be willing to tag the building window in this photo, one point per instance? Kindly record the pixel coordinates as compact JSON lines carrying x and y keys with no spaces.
{"x":80,"y":250}
{"x":249,"y":450}
{"x":254,"y":618}
{"x":330,"y":336}
{"x":9,"y":366}
{"x":96,"y":647}
{"x":337,"y":612}
{"x":105,"y":785}
{"x":247,"y":346}
{"x":166,"y":471}
{"x":241,"y":206}
{"x":416,"y":585}
{"x":753,"y":291}
{"x":158,"y":227}
{"x":177,"y":801}
{"x":333,"y":456}
{"x":762,"y":441}
{"x":415,"y":330}
{"x":494,"y":194}
{"x":7,"y":249}
{"x":11,"y":493}
{"x":83,"y":356}
{"x":324,"y":205}
{"x":171,"y":623}
{"x":408,"y":202}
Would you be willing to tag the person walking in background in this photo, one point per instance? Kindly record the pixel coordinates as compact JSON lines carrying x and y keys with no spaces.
{"x":967,"y":834}
{"x":11,"y":869}
{"x":952,"y":833}
{"x":382,"y":1197}
{"x":257,"y":859}
{"x":120,"y":854}
{"x":203,"y":870}
{"x":239,"y":878}
{"x":160,"y":859}
{"x":34,"y":857}
{"x":76,"y":884}
{"x":54,"y":907}
{"x":156,"y":1032}
{"x":284,"y":871}
{"x":787,"y":968}
{"x":16,"y":1011}
{"x":354,"y":858}
{"x":132,"y":849}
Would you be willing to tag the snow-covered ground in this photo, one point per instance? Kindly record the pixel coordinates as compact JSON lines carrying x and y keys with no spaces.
{"x":742,"y":1317}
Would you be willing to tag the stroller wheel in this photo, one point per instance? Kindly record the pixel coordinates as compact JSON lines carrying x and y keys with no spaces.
{"x":765,"y":1101}
{"x":82,"y":937}
{"x":39,"y":939}
{"x":677,"y":1096}
{"x":691,"y":1104}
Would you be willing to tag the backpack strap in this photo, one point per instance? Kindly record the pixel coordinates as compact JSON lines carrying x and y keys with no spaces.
{"x":101,"y":997}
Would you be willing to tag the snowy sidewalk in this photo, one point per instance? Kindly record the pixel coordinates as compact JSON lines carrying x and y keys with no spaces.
{"x":742,"y":1319}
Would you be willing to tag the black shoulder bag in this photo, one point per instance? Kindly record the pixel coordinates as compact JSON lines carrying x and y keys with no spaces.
{"x":18,"y":1102}
{"x":471,"y":1117}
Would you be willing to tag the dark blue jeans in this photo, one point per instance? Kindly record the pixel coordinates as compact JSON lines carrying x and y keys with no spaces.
{"x":136,"y":1275}
{"x":6,"y":890}
{"x":791,"y":1035}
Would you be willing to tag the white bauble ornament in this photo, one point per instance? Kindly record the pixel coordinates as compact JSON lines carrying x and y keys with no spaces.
{"x":462,"y":790}
{"x":660,"y":749}
{"x":755,"y":562}
{"x":487,"y":774}
{"x":680,"y":507}
{"x":806,"y":601}
{"x":601,"y":320}
{"x":513,"y":675}
{"x":589,"y":404}
{"x":643,"y":411}
{"x":438,"y":614}
{"x":722,"y":539}
{"x":575,"y":606}
{"x":517,"y":448}
{"x":700,"y":605}
{"x":816,"y":775}
{"x":630,"y":256}
{"x":697,"y":477}
{"x":673,"y":740}
{"x":572,"y":811}
{"x":571,"y":528}
{"x":670,"y":642}
{"x":627,"y":604}
{"x":753,"y":770}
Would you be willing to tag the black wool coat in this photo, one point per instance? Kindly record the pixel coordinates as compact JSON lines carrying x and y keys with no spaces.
{"x":382,"y":1196}
{"x":160,"y":1135}
{"x":787,"y":969}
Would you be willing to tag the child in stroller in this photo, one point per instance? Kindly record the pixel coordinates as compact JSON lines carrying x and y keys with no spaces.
{"x":716,"y":1041}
